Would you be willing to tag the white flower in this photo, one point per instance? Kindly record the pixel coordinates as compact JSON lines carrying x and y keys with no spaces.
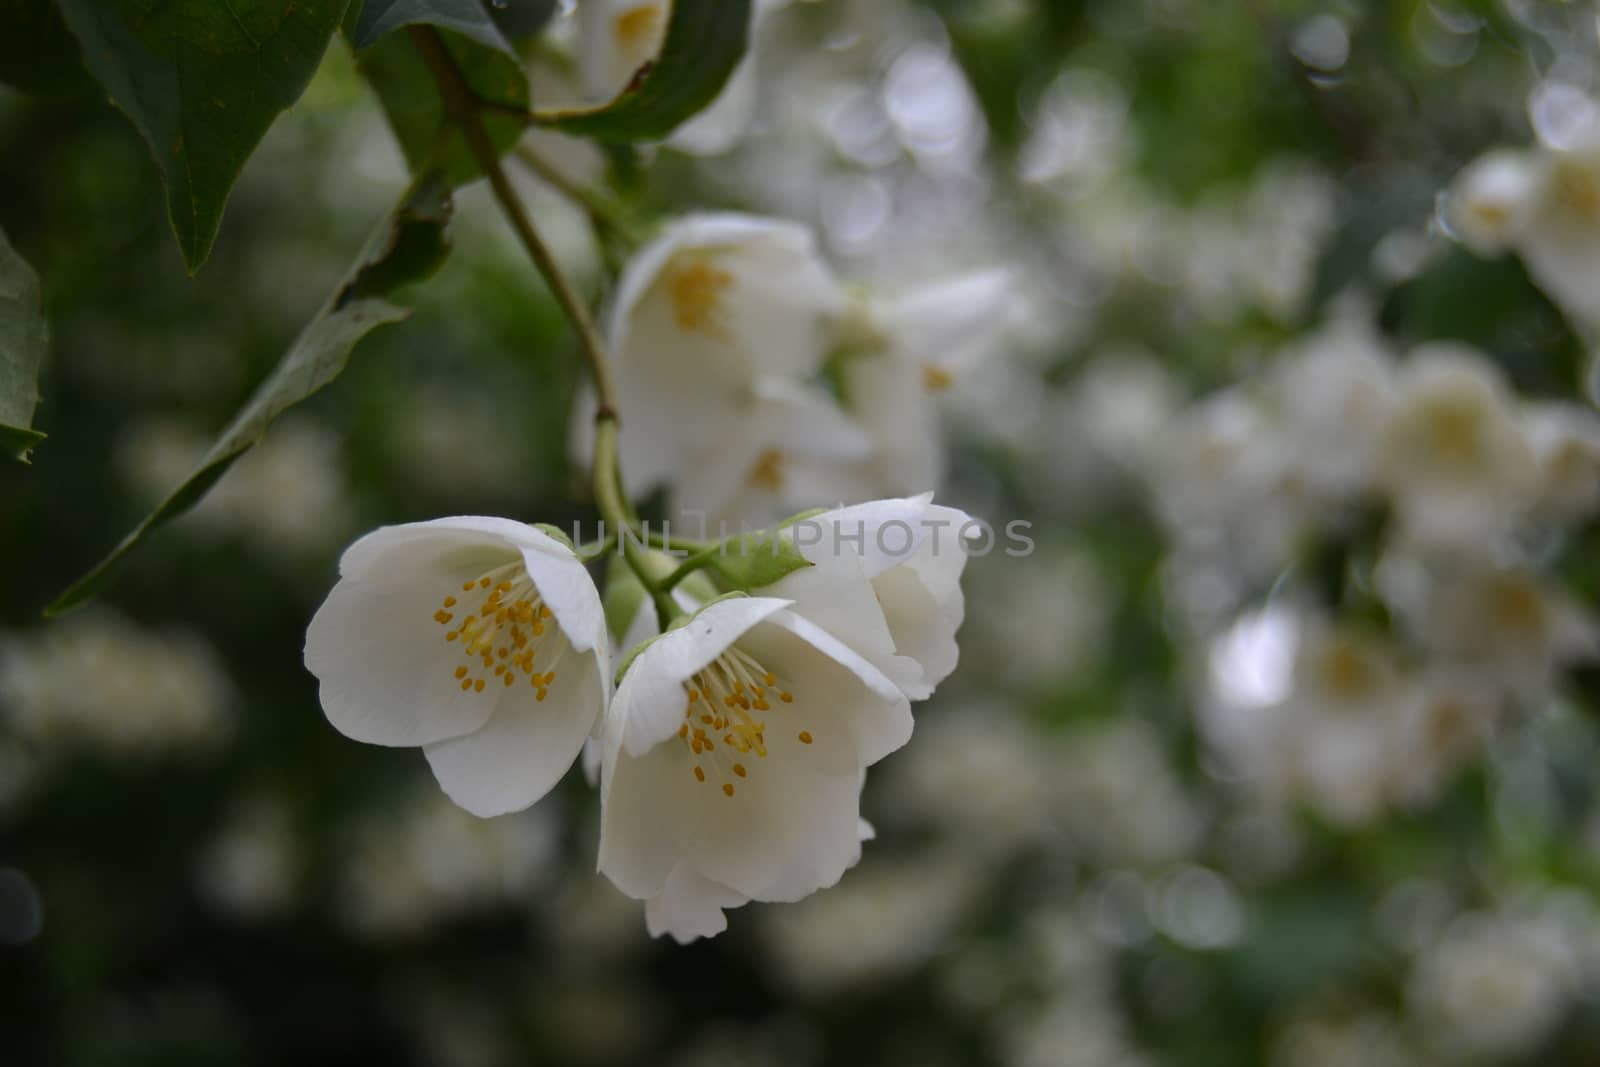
{"x":1510,"y":624}
{"x":616,"y":39}
{"x":735,"y":753}
{"x":1327,"y":400}
{"x":99,"y":681}
{"x":481,"y":640}
{"x":254,"y":867}
{"x":888,"y":919}
{"x":1446,"y":723}
{"x":885,"y":578}
{"x":286,"y":495}
{"x":408,"y":864}
{"x":903,"y":353}
{"x":1452,"y":454}
{"x":1488,"y":202}
{"x":718,"y":329}
{"x":1496,"y":984}
{"x":1545,"y":205}
{"x":977,"y":773}
{"x":1565,"y":439}
{"x":1559,"y":236}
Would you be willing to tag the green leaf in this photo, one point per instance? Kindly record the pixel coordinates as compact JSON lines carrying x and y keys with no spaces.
{"x":704,"y":41}
{"x":466,"y":17}
{"x":22,"y":343}
{"x":410,"y":100}
{"x":37,"y":52}
{"x":202,"y":80}
{"x":407,"y":247}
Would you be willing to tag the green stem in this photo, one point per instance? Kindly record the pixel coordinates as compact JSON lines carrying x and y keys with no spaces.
{"x":463,"y":108}
{"x":686,"y":568}
{"x":605,"y":213}
{"x":618,"y":514}
{"x":678,"y":544}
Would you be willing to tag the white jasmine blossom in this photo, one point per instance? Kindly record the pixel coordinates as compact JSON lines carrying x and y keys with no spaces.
{"x":423,"y":860}
{"x":1328,"y":399}
{"x":1452,"y":454}
{"x":734,"y":759}
{"x":885,"y":578}
{"x":1495,"y":984}
{"x":102,"y":682}
{"x":1565,"y":439}
{"x":480,"y":640}
{"x":1544,"y":204}
{"x":718,"y":328}
{"x":1509,"y":623}
{"x":255,"y":865}
{"x":286,"y":495}
{"x":902,"y":354}
{"x":1488,"y":203}
{"x":888,"y":919}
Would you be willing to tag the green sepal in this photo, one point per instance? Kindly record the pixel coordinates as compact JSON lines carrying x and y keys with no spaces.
{"x":751,"y":560}
{"x":558,"y":534}
{"x":624,"y":593}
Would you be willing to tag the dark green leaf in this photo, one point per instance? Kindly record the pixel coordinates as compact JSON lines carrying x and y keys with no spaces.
{"x":522,"y":18}
{"x":411,"y":101}
{"x":466,"y":17}
{"x":705,"y":39}
{"x":22,"y":343}
{"x":202,"y":80}
{"x":407,"y":247}
{"x":37,"y":53}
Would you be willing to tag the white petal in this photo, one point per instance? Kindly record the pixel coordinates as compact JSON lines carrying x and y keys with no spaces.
{"x":887,"y":395}
{"x":954,"y":323}
{"x":866,"y":703}
{"x":690,"y":907}
{"x":794,"y":824}
{"x":886,"y":533}
{"x":920,"y":629}
{"x":1489,"y":200}
{"x":564,"y":584}
{"x":835,"y":594}
{"x":525,"y":748}
{"x":649,"y":703}
{"x":457,"y":535}
{"x":792,"y":828}
{"x":805,"y":420}
{"x":385,"y":669}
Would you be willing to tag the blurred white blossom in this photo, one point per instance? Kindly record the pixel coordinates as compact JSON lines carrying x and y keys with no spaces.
{"x":1496,"y":984}
{"x":287,"y":495}
{"x":99,"y":681}
{"x":424,"y":860}
{"x":255,"y":864}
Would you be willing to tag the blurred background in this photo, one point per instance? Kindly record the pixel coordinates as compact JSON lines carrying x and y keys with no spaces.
{"x":1088,"y":856}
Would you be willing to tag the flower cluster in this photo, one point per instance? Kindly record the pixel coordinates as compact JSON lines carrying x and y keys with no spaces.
{"x":733,"y":750}
{"x":1374,"y":673}
{"x":755,"y":384}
